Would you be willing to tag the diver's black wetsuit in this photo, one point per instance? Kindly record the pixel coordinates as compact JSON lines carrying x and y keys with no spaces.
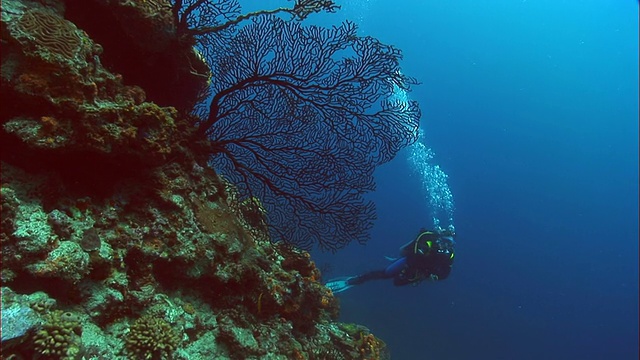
{"x":421,"y":259}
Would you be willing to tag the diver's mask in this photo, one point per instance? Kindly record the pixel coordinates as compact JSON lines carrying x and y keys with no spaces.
{"x":445,"y":245}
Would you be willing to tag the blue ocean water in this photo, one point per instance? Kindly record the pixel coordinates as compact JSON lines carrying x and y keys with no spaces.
{"x":530,"y":118}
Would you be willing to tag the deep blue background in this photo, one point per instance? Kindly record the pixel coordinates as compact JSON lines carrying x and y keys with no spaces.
{"x":532,"y":109}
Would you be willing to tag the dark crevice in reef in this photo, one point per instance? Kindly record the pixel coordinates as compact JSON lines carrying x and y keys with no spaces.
{"x":56,"y":288}
{"x":75,"y":174}
{"x":165,"y":76}
{"x":14,"y":104}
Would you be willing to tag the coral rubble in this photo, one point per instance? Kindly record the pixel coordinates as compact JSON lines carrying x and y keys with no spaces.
{"x":118,"y":241}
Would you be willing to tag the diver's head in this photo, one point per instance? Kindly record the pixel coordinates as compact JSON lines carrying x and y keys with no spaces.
{"x":445,"y":244}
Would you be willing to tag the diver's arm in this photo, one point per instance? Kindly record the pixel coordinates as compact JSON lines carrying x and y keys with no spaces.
{"x":442,"y":272}
{"x":441,"y":267}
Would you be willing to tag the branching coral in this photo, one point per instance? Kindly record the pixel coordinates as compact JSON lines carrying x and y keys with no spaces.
{"x":293,"y":122}
{"x":185,"y":12}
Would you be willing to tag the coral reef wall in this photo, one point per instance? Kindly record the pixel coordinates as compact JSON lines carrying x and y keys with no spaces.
{"x":117,"y":240}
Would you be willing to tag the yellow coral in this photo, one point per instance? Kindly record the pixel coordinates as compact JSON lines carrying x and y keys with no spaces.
{"x":151,"y":338}
{"x":59,"y":337}
{"x":370,"y":346}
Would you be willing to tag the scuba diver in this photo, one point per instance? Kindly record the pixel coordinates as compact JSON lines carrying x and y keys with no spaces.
{"x":429,"y":256}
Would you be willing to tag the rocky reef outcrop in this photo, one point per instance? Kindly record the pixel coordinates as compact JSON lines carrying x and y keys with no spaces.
{"x":117,"y":239}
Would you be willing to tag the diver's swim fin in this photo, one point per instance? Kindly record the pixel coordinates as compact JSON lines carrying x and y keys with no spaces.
{"x":339,"y":284}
